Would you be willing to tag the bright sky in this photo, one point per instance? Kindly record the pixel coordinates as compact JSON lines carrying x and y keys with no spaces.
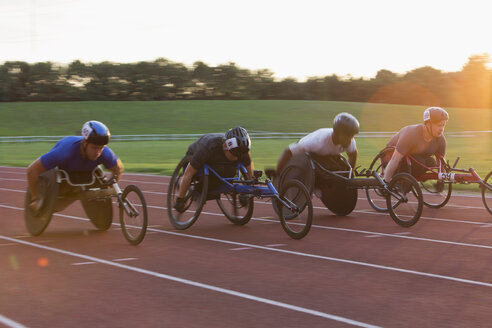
{"x":291,"y":38}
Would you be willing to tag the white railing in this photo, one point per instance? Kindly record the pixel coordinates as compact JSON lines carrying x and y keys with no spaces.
{"x":254,"y":135}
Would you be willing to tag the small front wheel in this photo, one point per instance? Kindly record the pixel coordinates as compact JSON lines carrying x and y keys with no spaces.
{"x":405,"y":202}
{"x":133,"y":214}
{"x":296,"y":215}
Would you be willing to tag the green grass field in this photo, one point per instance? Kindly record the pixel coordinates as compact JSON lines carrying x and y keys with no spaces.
{"x":157,"y":117}
{"x":212,"y":116}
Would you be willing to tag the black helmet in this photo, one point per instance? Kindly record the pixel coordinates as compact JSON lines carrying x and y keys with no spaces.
{"x":96,"y":133}
{"x":345,"y":123}
{"x":237,"y":141}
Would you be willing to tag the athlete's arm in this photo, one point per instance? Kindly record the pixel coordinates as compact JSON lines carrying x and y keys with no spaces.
{"x":249,"y":170}
{"x":352,"y":158}
{"x":117,"y":169}
{"x":186,"y":181}
{"x":392,"y":165}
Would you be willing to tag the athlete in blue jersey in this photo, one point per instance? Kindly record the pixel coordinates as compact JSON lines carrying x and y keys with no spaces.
{"x":75,"y":154}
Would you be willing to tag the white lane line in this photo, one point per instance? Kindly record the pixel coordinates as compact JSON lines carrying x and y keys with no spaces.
{"x":8,"y":244}
{"x":125,"y":259}
{"x":147,"y":182}
{"x":373,"y":236}
{"x":10,"y":323}
{"x":327,"y":258}
{"x":275,"y":245}
{"x":240,"y":248}
{"x":370,"y":211}
{"x":393,"y":235}
{"x":18,"y":173}
{"x":13,"y":190}
{"x":196,"y":284}
{"x":83,"y":263}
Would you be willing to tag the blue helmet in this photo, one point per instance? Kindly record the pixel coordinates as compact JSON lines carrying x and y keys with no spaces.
{"x":96,"y":133}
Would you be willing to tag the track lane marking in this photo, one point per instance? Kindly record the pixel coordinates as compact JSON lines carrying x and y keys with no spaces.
{"x":393,"y":235}
{"x":321,"y":257}
{"x":10,"y":323}
{"x":369,"y":211}
{"x":196,"y":284}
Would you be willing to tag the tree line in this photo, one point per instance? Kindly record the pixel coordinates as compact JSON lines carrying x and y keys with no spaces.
{"x":166,"y":80}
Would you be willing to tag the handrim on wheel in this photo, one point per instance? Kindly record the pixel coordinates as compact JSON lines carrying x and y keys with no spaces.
{"x":406,"y":202}
{"x":376,"y":196}
{"x":297,"y":221}
{"x":133,"y":214}
{"x":36,"y":224}
{"x":194,"y":199}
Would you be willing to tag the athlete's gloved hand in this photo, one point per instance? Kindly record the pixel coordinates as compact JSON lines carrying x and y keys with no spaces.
{"x":243,"y":200}
{"x":180,"y":205}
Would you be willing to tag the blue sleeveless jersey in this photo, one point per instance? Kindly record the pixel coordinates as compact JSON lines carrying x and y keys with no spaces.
{"x":66,"y":155}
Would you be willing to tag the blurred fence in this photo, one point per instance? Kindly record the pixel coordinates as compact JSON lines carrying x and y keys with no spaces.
{"x":254,"y":135}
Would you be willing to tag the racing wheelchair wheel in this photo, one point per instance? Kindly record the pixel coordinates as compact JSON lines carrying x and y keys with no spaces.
{"x":194,"y":199}
{"x":36,"y":223}
{"x":238,"y":208}
{"x":405,"y":206}
{"x":487,"y":192}
{"x":376,"y":196}
{"x":297,"y":217}
{"x":133,"y":214}
{"x":299,"y":167}
{"x":436,"y":193}
{"x":99,"y":211}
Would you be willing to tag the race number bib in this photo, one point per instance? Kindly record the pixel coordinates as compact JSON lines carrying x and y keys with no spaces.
{"x":446,"y":176}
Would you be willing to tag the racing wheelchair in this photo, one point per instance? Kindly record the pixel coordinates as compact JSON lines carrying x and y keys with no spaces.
{"x":436,"y":178}
{"x":59,"y":188}
{"x":336,"y":184}
{"x":235,"y":197}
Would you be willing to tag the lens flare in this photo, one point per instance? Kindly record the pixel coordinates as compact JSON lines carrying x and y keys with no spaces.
{"x":43,"y":262}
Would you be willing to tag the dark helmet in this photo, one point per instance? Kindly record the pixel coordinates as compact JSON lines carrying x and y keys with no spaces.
{"x":435,"y":115}
{"x":237,"y":141}
{"x":345,"y":123}
{"x":96,"y":133}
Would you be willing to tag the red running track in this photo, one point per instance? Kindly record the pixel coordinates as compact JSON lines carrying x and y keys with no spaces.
{"x":361,"y":270}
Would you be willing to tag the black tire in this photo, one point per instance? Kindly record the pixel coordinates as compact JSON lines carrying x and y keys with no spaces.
{"x":487,"y":193}
{"x":134,"y":226}
{"x":407,"y":208}
{"x":436,"y":193}
{"x":294,"y":225}
{"x":36,"y":223}
{"x":99,"y":211}
{"x":238,"y":214}
{"x":339,"y":199}
{"x":195,"y":197}
{"x":375,"y":196}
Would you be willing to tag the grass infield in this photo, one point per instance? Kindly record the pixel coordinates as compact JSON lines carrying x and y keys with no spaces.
{"x":161,"y":157}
